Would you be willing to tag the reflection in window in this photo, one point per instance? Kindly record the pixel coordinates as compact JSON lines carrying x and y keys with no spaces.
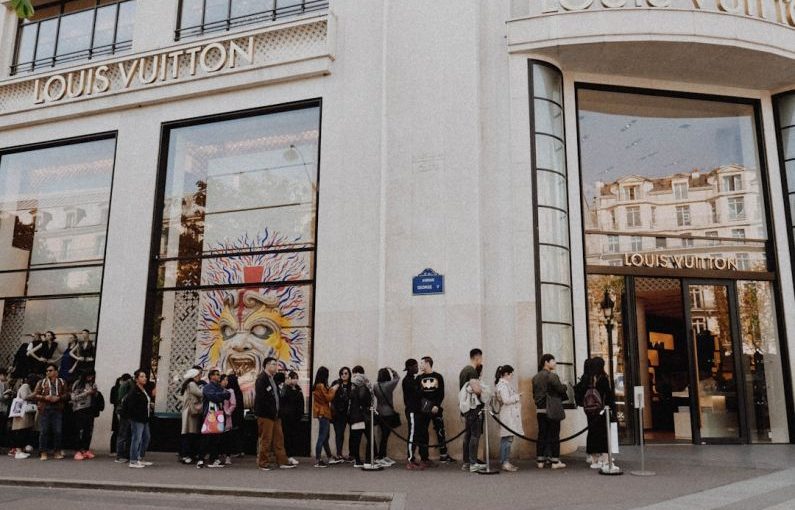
{"x":637,"y":243}
{"x":660,"y":242}
{"x":235,"y":268}
{"x":612,"y":244}
{"x":672,"y":149}
{"x":52,"y":240}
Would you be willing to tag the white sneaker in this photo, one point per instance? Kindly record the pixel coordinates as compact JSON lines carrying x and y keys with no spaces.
{"x":382,"y":463}
{"x":589,"y":459}
{"x":292,"y":461}
{"x":474,"y":468}
{"x":558,"y":465}
{"x":28,"y":449}
{"x":216,"y":464}
{"x":21,"y":455}
{"x":136,"y":465}
{"x":597,"y":465}
{"x":388,"y":461}
{"x":145,"y":462}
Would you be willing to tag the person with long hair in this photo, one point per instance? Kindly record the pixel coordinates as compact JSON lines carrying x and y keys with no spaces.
{"x":339,"y":405}
{"x":230,"y":406}
{"x":83,"y":398}
{"x":137,"y":406}
{"x":510,"y":413}
{"x":191,"y":401}
{"x":22,"y":426}
{"x":387,"y":418}
{"x":235,"y":435}
{"x":123,"y":434}
{"x":598,"y":384}
{"x":214,"y":396}
{"x":293,"y":406}
{"x":322,"y":396}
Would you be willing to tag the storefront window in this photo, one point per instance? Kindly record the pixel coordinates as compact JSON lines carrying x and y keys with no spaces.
{"x":73,"y":30}
{"x":198,"y":17}
{"x":53,"y":224}
{"x":235,"y":270}
{"x":553,"y":258}
{"x":667,"y":150}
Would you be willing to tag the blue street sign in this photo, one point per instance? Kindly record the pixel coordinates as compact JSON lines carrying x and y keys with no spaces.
{"x":427,"y":282}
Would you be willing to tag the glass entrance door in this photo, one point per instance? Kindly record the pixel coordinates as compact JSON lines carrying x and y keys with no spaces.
{"x":715,"y":379}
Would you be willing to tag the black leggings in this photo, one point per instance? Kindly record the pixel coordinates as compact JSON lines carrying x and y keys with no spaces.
{"x":339,"y":434}
{"x":356,"y":441}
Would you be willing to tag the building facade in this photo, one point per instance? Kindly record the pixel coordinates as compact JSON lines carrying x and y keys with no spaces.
{"x":215,"y":181}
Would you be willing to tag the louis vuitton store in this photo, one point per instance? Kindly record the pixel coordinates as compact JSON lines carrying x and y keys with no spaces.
{"x":213,"y":182}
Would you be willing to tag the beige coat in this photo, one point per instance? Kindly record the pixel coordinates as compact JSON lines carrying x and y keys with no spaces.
{"x":511,"y":408}
{"x":25,"y":421}
{"x":191,"y":423}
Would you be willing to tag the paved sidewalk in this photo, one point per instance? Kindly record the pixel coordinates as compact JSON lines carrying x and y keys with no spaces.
{"x":699,"y":477}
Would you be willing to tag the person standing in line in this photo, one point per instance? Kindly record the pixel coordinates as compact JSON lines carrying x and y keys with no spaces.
{"x":22,"y":426}
{"x":387,"y":418}
{"x":579,"y":394}
{"x":293,"y":412}
{"x":84,"y":395}
{"x":5,"y":400}
{"x":51,"y":394}
{"x":431,"y":385}
{"x":269,"y":423}
{"x":212,"y":393}
{"x":339,"y":406}
{"x":359,"y":416}
{"x":230,"y":406}
{"x":473,"y":421}
{"x":598,"y":393}
{"x":547,"y":386}
{"x":322,"y":396}
{"x":192,"y":406}
{"x":411,"y":401}
{"x":238,"y":415}
{"x":510,"y":413}
{"x":126,"y":384}
{"x":138,"y":408}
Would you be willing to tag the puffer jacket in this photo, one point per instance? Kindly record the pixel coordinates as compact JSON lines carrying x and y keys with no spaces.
{"x":361,"y":398}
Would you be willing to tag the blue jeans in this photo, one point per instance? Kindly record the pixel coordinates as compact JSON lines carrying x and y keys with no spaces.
{"x":51,"y":429}
{"x":123,"y":438}
{"x":139,"y":440}
{"x":322,"y":438}
{"x":505,"y":448}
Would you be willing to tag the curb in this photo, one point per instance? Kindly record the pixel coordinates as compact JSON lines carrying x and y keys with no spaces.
{"x":396,"y":501}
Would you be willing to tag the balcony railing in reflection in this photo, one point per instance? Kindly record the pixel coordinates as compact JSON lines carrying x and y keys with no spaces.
{"x":296,"y":8}
{"x":81,"y":35}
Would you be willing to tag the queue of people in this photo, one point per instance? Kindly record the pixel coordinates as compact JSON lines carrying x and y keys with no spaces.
{"x":212,"y":414}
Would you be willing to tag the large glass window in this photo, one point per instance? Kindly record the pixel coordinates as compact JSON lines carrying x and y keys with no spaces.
{"x":71,"y":30}
{"x":198,"y":17}
{"x":54,"y":206}
{"x":234,"y":273}
{"x":553,"y":258}
{"x":672,"y":149}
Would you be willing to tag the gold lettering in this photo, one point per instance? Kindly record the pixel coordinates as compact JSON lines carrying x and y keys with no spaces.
{"x":236,"y":50}
{"x":626,"y":259}
{"x":128,"y":74}
{"x":720,"y":264}
{"x":689,"y":262}
{"x":636,"y":259}
{"x":101,"y":81}
{"x":678,"y":261}
{"x":731,"y":263}
{"x":664,"y":260}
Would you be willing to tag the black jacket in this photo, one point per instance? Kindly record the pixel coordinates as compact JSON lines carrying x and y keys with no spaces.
{"x":292,"y":403}
{"x":361,"y":399}
{"x":341,"y":400}
{"x":265,"y":404}
{"x":136,"y":405}
{"x":431,"y":386}
{"x":411,"y":394}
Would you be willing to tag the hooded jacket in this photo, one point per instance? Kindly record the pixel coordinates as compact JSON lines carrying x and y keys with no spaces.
{"x":361,"y":398}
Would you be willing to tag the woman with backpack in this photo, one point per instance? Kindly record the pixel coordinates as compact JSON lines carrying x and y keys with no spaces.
{"x":192,"y":403}
{"x":387,"y":418}
{"x":594,"y":386}
{"x":510,"y":413}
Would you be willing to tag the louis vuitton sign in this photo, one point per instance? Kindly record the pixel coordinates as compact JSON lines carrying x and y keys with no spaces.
{"x":680,"y":261}
{"x":174,"y":65}
{"x":778,"y":11}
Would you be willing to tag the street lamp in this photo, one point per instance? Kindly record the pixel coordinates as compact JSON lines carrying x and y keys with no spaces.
{"x":607,"y":305}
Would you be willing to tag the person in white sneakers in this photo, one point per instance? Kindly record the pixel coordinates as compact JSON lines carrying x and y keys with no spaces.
{"x":22,"y":426}
{"x":137,"y":407}
{"x":548,"y":394}
{"x":510,"y":413}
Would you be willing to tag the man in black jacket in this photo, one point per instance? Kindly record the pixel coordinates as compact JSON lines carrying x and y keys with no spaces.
{"x":411,"y":399}
{"x":431,"y":386}
{"x":269,"y":423}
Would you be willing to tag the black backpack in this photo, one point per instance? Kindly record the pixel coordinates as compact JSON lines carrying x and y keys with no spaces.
{"x":99,"y":404}
{"x":592,"y":401}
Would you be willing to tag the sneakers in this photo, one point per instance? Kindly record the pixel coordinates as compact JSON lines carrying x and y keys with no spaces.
{"x":320,"y":464}
{"x":287,"y":466}
{"x":145,"y":462}
{"x":264,"y":468}
{"x":509,"y":467}
{"x":21,"y":455}
{"x":557,"y":465}
{"x":540,"y":464}
{"x":388,"y":461}
{"x":414,"y":467}
{"x":465,"y":466}
{"x":228,"y":461}
{"x":12,"y":452}
{"x":382,"y":463}
{"x":292,"y":461}
{"x":597,"y":465}
{"x":446,"y":459}
{"x":200,"y":464}
{"x":79,"y":456}
{"x":58,"y":456}
{"x":136,"y":465}
{"x":348,"y":458}
{"x":186,"y":460}
{"x":355,"y":464}
{"x":336,"y":460}
{"x":28,"y":449}
{"x":474,"y":468}
{"x":121,"y":460}
{"x":88,"y":454}
{"x":216,"y":464}
{"x":43,"y":456}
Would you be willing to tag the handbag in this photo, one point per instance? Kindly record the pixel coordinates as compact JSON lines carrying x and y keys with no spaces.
{"x":214,"y":421}
{"x":15,"y":410}
{"x":555,"y":410}
{"x":359,"y":425}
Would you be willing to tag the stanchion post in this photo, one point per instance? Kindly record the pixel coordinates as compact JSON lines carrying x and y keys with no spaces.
{"x":610,"y":468}
{"x":639,"y":404}
{"x":372,"y":466}
{"x":488,"y":470}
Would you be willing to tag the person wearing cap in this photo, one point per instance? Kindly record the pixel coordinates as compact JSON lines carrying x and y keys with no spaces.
{"x":411,"y":399}
{"x":192,"y":397}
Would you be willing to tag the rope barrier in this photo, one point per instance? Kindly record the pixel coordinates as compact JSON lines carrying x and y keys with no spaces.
{"x":530,"y":439}
{"x":405,"y":440}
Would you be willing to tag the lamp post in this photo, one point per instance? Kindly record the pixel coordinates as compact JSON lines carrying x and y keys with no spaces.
{"x":607,"y":306}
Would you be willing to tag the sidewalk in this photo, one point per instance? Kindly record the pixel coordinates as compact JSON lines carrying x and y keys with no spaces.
{"x":682,"y":472}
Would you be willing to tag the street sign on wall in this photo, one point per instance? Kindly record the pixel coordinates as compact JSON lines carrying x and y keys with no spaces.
{"x":427,"y":282}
